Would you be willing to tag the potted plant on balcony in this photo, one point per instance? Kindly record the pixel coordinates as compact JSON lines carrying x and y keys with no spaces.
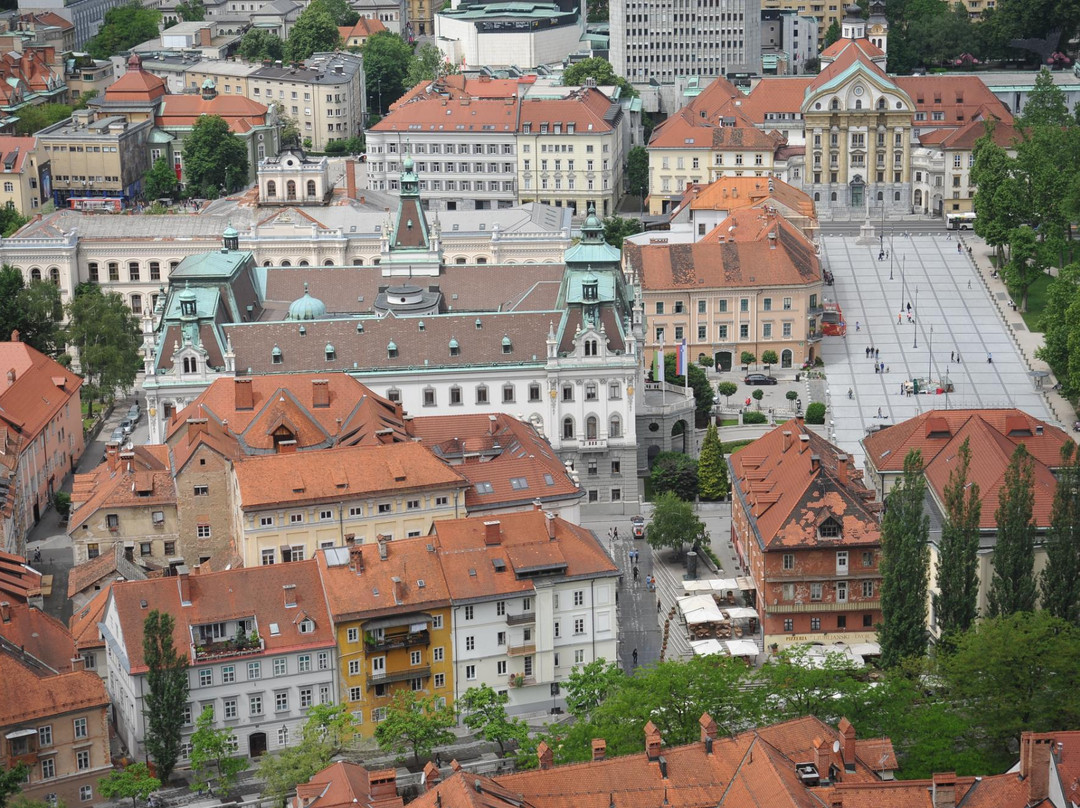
{"x":253,"y":639}
{"x":518,"y":680}
{"x":370,"y":640}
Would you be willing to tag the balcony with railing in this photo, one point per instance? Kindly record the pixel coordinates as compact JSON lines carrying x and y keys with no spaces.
{"x":523,"y":619}
{"x":593,"y":445}
{"x":388,"y":677}
{"x":232,"y":638}
{"x":389,"y":643}
{"x":521,"y":649}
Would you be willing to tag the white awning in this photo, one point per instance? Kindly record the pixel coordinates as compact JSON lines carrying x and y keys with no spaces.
{"x":739,"y":612}
{"x":742,"y":648}
{"x":723,"y":585}
{"x":20,"y":733}
{"x":707,"y":647}
{"x":698,"y":609}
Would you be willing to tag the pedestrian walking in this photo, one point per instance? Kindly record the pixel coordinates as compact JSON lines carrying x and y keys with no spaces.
{"x":635,"y":572}
{"x":881,"y":256}
{"x":900,"y":318}
{"x":909,"y":307}
{"x":615,"y":532}
{"x":959,"y":248}
{"x":858,"y":326}
{"x":658,"y":606}
{"x":969,"y":283}
{"x":879,"y":415}
{"x":902,"y":387}
{"x":952,"y":356}
{"x":875,"y":367}
{"x":37,"y":555}
{"x":634,"y":655}
{"x":882,"y":367}
{"x":867,"y":351}
{"x":959,"y":361}
{"x":877,"y":352}
{"x":989,"y":358}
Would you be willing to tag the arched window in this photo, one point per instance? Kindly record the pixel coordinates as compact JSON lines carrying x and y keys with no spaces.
{"x":785,"y":358}
{"x":311,"y":187}
{"x":858,"y":103}
{"x":290,"y":190}
{"x":590,"y":427}
{"x":817,"y":197}
{"x":268,"y":263}
{"x":136,"y":304}
{"x":832,"y":196}
{"x":896,"y":196}
{"x":918,"y":198}
{"x":271,"y":189}
{"x":881,"y":103}
{"x":481,"y":260}
{"x":303,"y":264}
{"x":358,"y":262}
{"x":54,"y":275}
{"x":615,"y":427}
{"x":328,"y":263}
{"x":459,"y":260}
{"x":35,"y":274}
{"x":568,"y":428}
{"x":880,"y":196}
{"x":286,"y":264}
{"x":835,"y":104}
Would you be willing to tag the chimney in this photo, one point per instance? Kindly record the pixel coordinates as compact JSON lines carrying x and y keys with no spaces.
{"x":112,"y":454}
{"x":787,"y":439}
{"x":382,"y":783}
{"x":455,"y":766}
{"x":1035,"y":749}
{"x":708,"y":731}
{"x":286,"y":447}
{"x":205,"y":39}
{"x":815,"y":463}
{"x":350,"y":539}
{"x":290,"y":594}
{"x":545,"y":755}
{"x":350,"y":179}
{"x":383,"y":549}
{"x":822,"y":757}
{"x":15,"y":335}
{"x":848,"y":748}
{"x":5,"y":612}
{"x":320,"y":393}
{"x":184,"y":585}
{"x":549,"y":519}
{"x":599,"y":748}
{"x":356,"y":558}
{"x":432,"y":776}
{"x":843,"y":475}
{"x":492,"y":532}
{"x":804,"y":442}
{"x":244,"y":399}
{"x":943,"y":790}
{"x":78,"y":664}
{"x":653,"y":741}
{"x":493,"y":424}
{"x":129,"y":552}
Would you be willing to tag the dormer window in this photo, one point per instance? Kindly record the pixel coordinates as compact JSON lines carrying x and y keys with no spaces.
{"x":187,"y":308}
{"x":829,"y":529}
{"x":391,"y":351}
{"x":507,"y":345}
{"x":331,"y":354}
{"x":455,"y":349}
{"x":590,"y":290}
{"x":275,"y":355}
{"x":307,"y":626}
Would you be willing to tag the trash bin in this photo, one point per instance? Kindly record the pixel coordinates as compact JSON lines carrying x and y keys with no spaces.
{"x":798,"y":376}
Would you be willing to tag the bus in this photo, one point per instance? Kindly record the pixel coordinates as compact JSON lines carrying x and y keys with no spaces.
{"x":832,"y":320}
{"x":96,"y":203}
{"x":960,"y":221}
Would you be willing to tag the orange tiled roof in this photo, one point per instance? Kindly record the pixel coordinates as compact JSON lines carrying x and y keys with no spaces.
{"x":731,"y":193}
{"x":993,"y":435}
{"x":459,"y":86}
{"x":20,"y":147}
{"x":258,"y":592}
{"x":364,"y":586}
{"x":42,"y":694}
{"x":747,"y":258}
{"x":353,"y":471}
{"x":959,"y":98}
{"x":346,"y":785}
{"x":18,"y":580}
{"x":139,"y":478}
{"x":432,"y":113}
{"x":1003,"y":133}
{"x":242,"y":114}
{"x":354,"y":414}
{"x":40,"y":636}
{"x":500,"y":450}
{"x":868,"y":48}
{"x":790,"y":484}
{"x":773,"y":94}
{"x":588,"y":109}
{"x":524,"y":543}
{"x":41,"y":387}
{"x":136,"y":85}
{"x":365,"y":27}
{"x":713,"y":98}
{"x":84,"y":623}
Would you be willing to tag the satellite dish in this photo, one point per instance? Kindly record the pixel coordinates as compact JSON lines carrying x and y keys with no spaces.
{"x":836,"y":746}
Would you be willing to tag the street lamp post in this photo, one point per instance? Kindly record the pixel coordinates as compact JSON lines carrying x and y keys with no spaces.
{"x":903,"y":283}
{"x":916,"y":323}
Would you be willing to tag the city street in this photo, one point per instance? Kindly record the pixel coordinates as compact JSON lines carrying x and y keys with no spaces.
{"x":952,"y":314}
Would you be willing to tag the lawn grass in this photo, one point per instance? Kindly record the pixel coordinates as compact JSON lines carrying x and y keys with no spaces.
{"x":735,"y":445}
{"x":729,"y":422}
{"x":1036,"y":303}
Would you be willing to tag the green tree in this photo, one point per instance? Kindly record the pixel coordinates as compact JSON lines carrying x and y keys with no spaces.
{"x":484,"y":712}
{"x":10,"y":221}
{"x":832,"y":33}
{"x":106,"y":334}
{"x":792,"y":396}
{"x":34,"y":119}
{"x":1013,"y":674}
{"x":35,"y":311}
{"x":956,"y":605}
{"x":160,"y":181}
{"x":416,"y":722}
{"x":166,"y":692}
{"x":758,"y":395}
{"x":428,"y":64}
{"x":339,"y":10}
{"x":704,"y":397}
{"x":815,"y":413}
{"x":747,"y":357}
{"x":673,"y":523}
{"x":769,"y":358}
{"x":713,"y":480}
{"x":617,"y":228}
{"x":600,"y":69}
{"x":259,"y":44}
{"x":387,"y":58}
{"x":1060,"y":578}
{"x":11,"y":781}
{"x":1012,"y":586}
{"x":676,"y":472}
{"x":996,"y":198}
{"x":214,"y":157}
{"x":327,"y":732}
{"x":213,"y":759}
{"x":637,"y":171}
{"x":314,"y":31}
{"x":134,"y":781}
{"x":1061,"y":329}
{"x":905,"y":561}
{"x":596,"y":10}
{"x":332,"y":724}
{"x":191,"y":10}
{"x":727,"y":390}
{"x":1046,"y":104}
{"x":122,"y":28}
{"x":801,"y":686}
{"x":589,"y":685}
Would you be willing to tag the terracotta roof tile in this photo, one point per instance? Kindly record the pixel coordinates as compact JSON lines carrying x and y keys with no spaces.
{"x":345,"y":785}
{"x":774,"y":95}
{"x":41,"y":388}
{"x":42,"y":694}
{"x":114,"y":484}
{"x":18,"y":146}
{"x":84,"y":623}
{"x":298,"y":477}
{"x":18,"y":580}
{"x":40,"y":636}
{"x":220,"y":596}
{"x":959,"y":98}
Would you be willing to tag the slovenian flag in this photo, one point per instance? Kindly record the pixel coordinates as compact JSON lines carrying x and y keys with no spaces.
{"x":680,"y":359}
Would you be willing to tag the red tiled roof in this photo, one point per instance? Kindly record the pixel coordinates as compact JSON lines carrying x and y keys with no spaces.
{"x":868,"y":48}
{"x":345,"y":785}
{"x":84,"y":623}
{"x":40,"y":636}
{"x":730,"y":193}
{"x":773,"y":94}
{"x":18,"y":146}
{"x":41,"y":388}
{"x":356,"y":470}
{"x":960,"y":98}
{"x":1003,"y":133}
{"x":114,"y":483}
{"x":136,"y":85}
{"x":41,"y":695}
{"x":365,"y":27}
{"x":791,"y":485}
{"x":257,"y":592}
{"x":240,"y":113}
{"x":18,"y":580}
{"x":993,"y":436}
{"x":586,"y":108}
{"x":364,"y":587}
{"x":500,"y":450}
{"x":432,"y":113}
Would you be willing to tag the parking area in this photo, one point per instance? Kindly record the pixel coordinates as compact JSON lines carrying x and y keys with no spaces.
{"x":954,"y":330}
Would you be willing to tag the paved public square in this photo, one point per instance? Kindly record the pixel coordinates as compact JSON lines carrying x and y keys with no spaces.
{"x":952,"y":314}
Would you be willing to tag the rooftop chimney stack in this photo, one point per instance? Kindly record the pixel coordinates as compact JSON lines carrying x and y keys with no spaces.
{"x":787,"y":439}
{"x":822,"y":758}
{"x":848,"y":731}
{"x":599,"y":748}
{"x":492,"y":532}
{"x":708,"y":731}
{"x":432,"y":776}
{"x":320,"y":393}
{"x":356,"y":558}
{"x":1035,"y":749}
{"x":244,"y":398}
{"x":184,"y":585}
{"x":545,"y":756}
{"x":549,"y":518}
{"x":5,"y":612}
{"x":653,"y":741}
{"x":943,"y":790}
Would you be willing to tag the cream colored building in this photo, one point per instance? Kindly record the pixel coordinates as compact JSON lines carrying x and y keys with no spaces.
{"x":22,"y":174}
{"x":290,"y":505}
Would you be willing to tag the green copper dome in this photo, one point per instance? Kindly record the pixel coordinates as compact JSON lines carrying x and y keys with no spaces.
{"x":307,"y":307}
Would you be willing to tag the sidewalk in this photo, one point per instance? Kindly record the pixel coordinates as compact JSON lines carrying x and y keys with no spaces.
{"x":1027,"y":341}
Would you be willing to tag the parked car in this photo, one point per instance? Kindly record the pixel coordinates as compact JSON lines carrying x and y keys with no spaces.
{"x":127,"y":425}
{"x":118,"y":435}
{"x":134,"y":413}
{"x":759,"y":378}
{"x":637,"y":526}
